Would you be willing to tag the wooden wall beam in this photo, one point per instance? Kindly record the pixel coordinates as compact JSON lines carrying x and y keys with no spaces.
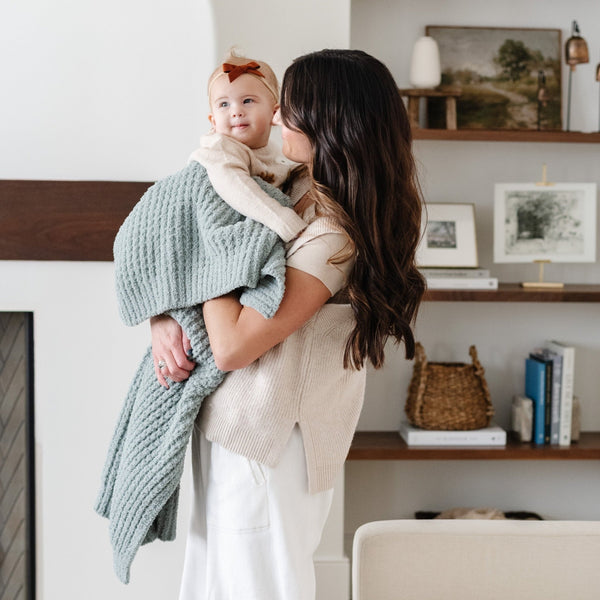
{"x":63,"y":220}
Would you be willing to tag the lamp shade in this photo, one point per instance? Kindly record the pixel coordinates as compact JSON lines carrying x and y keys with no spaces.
{"x":425,"y":69}
{"x":576,"y":48}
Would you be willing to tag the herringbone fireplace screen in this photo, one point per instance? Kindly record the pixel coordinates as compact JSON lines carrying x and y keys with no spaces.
{"x":17,"y":531}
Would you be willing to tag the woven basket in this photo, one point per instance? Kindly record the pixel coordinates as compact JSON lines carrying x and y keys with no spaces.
{"x":448,"y":396}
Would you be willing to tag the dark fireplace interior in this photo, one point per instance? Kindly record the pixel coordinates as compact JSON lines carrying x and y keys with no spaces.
{"x":17,"y":523}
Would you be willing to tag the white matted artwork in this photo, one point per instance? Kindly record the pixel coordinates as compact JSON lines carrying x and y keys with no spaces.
{"x":448,"y":236}
{"x":555,"y":223}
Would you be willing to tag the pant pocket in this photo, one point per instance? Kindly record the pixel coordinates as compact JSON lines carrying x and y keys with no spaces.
{"x":236,"y":492}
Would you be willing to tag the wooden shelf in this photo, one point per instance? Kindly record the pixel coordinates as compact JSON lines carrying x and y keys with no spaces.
{"x":513,"y":292}
{"x":482,"y":135}
{"x":388,"y":445}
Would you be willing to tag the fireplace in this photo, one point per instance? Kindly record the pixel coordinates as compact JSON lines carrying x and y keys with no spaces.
{"x":17,"y":522}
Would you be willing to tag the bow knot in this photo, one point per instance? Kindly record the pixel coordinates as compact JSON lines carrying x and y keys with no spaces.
{"x":234,"y":71}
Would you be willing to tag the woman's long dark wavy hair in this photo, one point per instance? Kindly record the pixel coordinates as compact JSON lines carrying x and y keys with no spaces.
{"x":347,"y":103}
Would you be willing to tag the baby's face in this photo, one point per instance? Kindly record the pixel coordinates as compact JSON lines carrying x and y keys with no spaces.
{"x":242,"y":109}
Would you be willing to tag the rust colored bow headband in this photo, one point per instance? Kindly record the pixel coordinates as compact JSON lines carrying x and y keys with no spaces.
{"x":251,"y":68}
{"x":234,"y":71}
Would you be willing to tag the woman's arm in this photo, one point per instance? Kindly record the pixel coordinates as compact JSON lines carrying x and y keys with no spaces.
{"x":239,"y":335}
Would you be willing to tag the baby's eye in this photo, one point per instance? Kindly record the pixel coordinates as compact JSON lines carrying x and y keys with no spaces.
{"x":248,"y":100}
{"x":223,"y":104}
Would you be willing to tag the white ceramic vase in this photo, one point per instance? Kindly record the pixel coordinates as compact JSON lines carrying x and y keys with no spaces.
{"x":425,"y":69}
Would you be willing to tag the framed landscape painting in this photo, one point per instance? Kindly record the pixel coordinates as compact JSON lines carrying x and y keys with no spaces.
{"x":555,"y":223}
{"x":448,"y":236}
{"x":508,"y":78}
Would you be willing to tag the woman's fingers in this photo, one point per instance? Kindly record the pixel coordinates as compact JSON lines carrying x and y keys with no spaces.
{"x":169,"y":350}
{"x":159,"y":366}
{"x":178,"y":366}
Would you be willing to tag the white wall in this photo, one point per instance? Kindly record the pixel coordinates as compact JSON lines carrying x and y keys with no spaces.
{"x":503,"y":333}
{"x":110,"y":91}
{"x":116,"y":91}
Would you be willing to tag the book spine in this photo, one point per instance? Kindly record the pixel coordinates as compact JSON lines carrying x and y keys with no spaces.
{"x":535,"y":388}
{"x":548,"y":403}
{"x":566,"y":391}
{"x":450,"y":272}
{"x":556,"y":389}
{"x":566,"y":397}
{"x":441,"y":438}
{"x":489,"y":436}
{"x":467,"y":283}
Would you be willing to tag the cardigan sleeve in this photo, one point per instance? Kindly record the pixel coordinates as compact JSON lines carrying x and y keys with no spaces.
{"x":317,"y":257}
{"x":228,"y":164}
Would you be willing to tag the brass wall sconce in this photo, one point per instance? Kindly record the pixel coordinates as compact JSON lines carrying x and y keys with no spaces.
{"x":576,"y":53}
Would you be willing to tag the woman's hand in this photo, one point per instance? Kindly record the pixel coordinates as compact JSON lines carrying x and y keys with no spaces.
{"x":170,"y":348}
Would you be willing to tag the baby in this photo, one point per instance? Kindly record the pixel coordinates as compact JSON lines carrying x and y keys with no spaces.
{"x":244,"y":97}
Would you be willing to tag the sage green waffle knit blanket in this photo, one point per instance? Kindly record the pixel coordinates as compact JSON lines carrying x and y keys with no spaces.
{"x":180,"y":245}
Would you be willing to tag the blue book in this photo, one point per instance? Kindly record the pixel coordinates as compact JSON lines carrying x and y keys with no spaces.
{"x":540,"y":357}
{"x":553,"y":391}
{"x":535,"y":388}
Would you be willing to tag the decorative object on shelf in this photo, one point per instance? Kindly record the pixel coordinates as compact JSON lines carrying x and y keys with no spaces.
{"x":575,"y":419}
{"x":540,"y":283}
{"x":551,"y":223}
{"x":448,"y":395}
{"x":493,"y":67}
{"x":576,"y":53}
{"x":598,"y":79}
{"x":522,"y":418}
{"x":418,"y":96}
{"x":542,"y":97}
{"x":478,"y":513}
{"x":425,"y":70}
{"x":448,"y":236}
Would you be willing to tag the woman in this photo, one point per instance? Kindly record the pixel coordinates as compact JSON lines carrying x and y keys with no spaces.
{"x":271,"y":440}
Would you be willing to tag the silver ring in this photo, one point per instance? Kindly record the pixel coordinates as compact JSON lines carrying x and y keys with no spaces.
{"x":161,"y":364}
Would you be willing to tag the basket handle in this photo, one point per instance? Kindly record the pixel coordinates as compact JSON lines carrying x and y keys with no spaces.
{"x":479,"y":370}
{"x":420,"y":356}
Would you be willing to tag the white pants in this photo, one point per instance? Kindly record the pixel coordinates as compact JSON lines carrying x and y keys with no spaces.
{"x":254,"y":529}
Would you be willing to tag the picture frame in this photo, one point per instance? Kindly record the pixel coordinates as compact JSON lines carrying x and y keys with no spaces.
{"x":554,"y":222}
{"x":508,"y":78}
{"x":448,"y":236}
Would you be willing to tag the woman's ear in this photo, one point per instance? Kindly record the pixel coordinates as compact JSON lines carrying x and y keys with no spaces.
{"x":276,"y":116}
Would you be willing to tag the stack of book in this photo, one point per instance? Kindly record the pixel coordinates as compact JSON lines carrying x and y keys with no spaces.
{"x":549,"y":385}
{"x":459,"y":279}
{"x":488,"y":436}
